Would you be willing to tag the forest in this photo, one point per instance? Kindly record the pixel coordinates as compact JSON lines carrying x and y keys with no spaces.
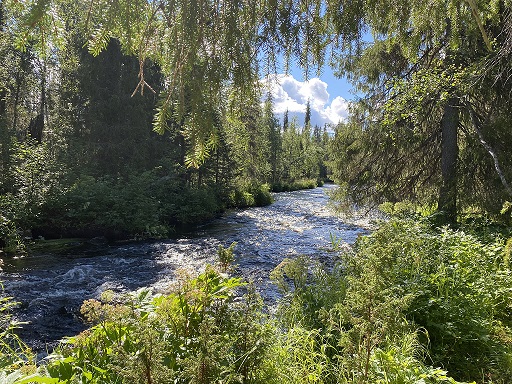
{"x":80,"y":157}
{"x":137,"y":119}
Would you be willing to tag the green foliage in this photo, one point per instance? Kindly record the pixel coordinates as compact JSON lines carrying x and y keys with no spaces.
{"x":299,"y":357}
{"x":144,"y":205}
{"x":96,"y":168}
{"x":197,"y":205}
{"x":408,"y":296}
{"x":37,"y":179}
{"x":403,"y":209}
{"x":9,"y":237}
{"x":96,"y":206}
{"x":226,"y":256}
{"x":308,"y":290}
{"x":261,"y":193}
{"x":348,"y":325}
{"x":405,"y":298}
{"x":507,"y":253}
{"x":249,"y":195}
{"x":241,"y":199}
{"x":16,"y":359}
{"x":456,"y":289}
{"x":195,"y":334}
{"x":295,"y":185}
{"x":392,"y":148}
{"x":506,"y":209}
{"x":412,"y":67}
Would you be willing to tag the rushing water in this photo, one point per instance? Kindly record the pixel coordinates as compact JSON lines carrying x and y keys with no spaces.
{"x":51,"y":288}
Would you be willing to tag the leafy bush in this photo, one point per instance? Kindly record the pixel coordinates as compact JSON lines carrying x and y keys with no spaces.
{"x":9,"y":236}
{"x":16,"y":359}
{"x":447,"y":291}
{"x":261,"y":193}
{"x":196,"y":206}
{"x":402,"y":209}
{"x":142,"y":206}
{"x":457,"y":289}
{"x":240,"y":199}
{"x":93,"y":207}
{"x":295,"y":185}
{"x":196,"y":334}
{"x":347,"y":326}
{"x":247,"y":194}
{"x":226,"y":256}
{"x":307,"y":288}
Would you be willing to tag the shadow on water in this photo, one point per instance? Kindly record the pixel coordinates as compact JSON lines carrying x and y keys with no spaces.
{"x":51,"y":287}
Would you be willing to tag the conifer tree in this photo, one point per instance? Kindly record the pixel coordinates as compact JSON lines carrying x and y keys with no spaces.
{"x":429,"y":71}
{"x":285,"y":121}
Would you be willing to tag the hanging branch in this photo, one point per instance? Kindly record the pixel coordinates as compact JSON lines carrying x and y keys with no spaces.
{"x":476,"y":127}
{"x":146,"y":35}
{"x":89,"y":13}
{"x":474,"y":10}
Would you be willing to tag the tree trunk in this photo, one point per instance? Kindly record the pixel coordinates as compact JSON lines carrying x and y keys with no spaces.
{"x":447,"y":203}
{"x":4,"y":132}
{"x":4,"y":141}
{"x":36,"y":126}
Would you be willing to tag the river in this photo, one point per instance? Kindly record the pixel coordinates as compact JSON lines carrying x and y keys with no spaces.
{"x":50,"y":288}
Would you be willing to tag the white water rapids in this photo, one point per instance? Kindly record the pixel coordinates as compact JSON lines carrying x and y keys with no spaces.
{"x":51,"y":287}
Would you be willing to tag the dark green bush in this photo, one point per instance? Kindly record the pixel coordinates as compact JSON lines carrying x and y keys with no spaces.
{"x":93,"y":207}
{"x":240,"y":199}
{"x":250,"y":194}
{"x":197,"y":205}
{"x":295,"y":185}
{"x":261,"y":193}
{"x":10,"y":240}
{"x":142,"y":206}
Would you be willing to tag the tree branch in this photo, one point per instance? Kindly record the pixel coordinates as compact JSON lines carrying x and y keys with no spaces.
{"x":474,"y":10}
{"x":488,"y":148}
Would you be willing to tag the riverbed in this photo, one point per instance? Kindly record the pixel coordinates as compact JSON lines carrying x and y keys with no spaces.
{"x":51,"y":287}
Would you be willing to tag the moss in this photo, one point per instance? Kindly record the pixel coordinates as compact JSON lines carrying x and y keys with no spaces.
{"x":58,"y":246}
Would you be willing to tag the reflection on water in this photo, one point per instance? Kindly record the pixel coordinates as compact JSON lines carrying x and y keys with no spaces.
{"x":52,"y":287}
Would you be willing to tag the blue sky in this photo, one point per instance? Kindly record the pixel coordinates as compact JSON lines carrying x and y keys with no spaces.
{"x":329,"y":96}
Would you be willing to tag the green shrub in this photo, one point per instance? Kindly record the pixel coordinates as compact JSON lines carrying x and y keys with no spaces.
{"x":196,"y":205}
{"x":196,"y":334}
{"x":295,"y":185}
{"x":16,"y":359}
{"x":240,"y":199}
{"x":226,"y":256}
{"x":142,"y":206}
{"x":249,"y":194}
{"x":10,"y":239}
{"x":457,"y":289}
{"x":308,"y":289}
{"x":261,"y":193}
{"x":347,"y":325}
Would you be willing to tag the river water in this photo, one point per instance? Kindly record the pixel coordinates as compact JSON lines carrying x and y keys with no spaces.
{"x":52,"y":287}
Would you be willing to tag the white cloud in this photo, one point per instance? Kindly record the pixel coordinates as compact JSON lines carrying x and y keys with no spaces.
{"x":337,"y":111}
{"x":293,"y":95}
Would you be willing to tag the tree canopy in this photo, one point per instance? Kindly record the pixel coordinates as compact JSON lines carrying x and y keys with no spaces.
{"x":429,"y":68}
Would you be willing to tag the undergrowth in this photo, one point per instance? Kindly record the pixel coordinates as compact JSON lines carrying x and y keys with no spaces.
{"x":408,"y":304}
